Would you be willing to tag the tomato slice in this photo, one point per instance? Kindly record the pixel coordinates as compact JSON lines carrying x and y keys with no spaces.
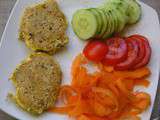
{"x":95,"y":51}
{"x":117,"y":51}
{"x":131,"y":56}
{"x":141,"y":48}
{"x":148,"y":51}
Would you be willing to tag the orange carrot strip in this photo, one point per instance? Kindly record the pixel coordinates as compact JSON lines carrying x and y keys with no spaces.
{"x":129,"y":117}
{"x":61,"y":110}
{"x":78,"y":61}
{"x":83,"y":117}
{"x":114,"y":89}
{"x":134,"y":74}
{"x":142,"y":82}
{"x":135,"y":111}
{"x":103,"y":95}
{"x":143,"y":100}
{"x":91,"y":117}
{"x":120,"y":84}
{"x":129,"y":84}
{"x":67,"y":93}
{"x":82,"y":107}
{"x":101,"y":110}
{"x":106,"y":97}
{"x":105,"y":68}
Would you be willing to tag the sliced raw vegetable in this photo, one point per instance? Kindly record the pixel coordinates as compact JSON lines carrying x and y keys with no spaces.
{"x":148,"y":51}
{"x":99,"y":19}
{"x":120,"y":5}
{"x":142,"y":51}
{"x":110,"y":9}
{"x":117,"y":51}
{"x":121,"y":21}
{"x":141,"y":82}
{"x":131,"y":57}
{"x":84,"y":24}
{"x":142,"y":101}
{"x":110,"y":28}
{"x":116,"y":14}
{"x":104,"y":21}
{"x":130,"y":9}
{"x":133,"y":12}
{"x":95,"y":50}
{"x":134,"y":74}
{"x":100,"y":95}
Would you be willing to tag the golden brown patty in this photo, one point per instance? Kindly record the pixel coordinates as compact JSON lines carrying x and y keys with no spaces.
{"x":43,"y":27}
{"x":37,"y":82}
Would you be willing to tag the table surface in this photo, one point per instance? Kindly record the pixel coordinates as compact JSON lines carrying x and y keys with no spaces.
{"x":5,"y":9}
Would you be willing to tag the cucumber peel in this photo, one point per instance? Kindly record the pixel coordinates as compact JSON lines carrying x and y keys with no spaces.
{"x":105,"y":20}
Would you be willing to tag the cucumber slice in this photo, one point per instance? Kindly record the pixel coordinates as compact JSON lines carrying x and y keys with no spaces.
{"x":134,"y":12}
{"x":121,"y":5}
{"x":121,"y":21}
{"x":105,"y":22}
{"x":84,"y":24}
{"x":116,"y":22}
{"x":111,"y":8}
{"x":110,"y":28}
{"x":98,"y":17}
{"x":112,"y":23}
{"x":101,"y":21}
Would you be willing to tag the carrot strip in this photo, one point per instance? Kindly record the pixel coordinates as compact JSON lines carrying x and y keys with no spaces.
{"x":114,"y":89}
{"x":129,"y":117}
{"x":141,"y":82}
{"x":61,"y":110}
{"x":120,"y":84}
{"x":142,"y":101}
{"x":129,"y":83}
{"x":103,"y":95}
{"x":76,"y":65}
{"x":134,"y":74}
{"x":91,"y":117}
{"x":83,"y":117}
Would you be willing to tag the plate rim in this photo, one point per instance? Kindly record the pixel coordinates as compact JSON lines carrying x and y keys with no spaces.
{"x":2,"y":40}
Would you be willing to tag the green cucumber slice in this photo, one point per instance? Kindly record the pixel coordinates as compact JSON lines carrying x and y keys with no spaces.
{"x":134,"y":12}
{"x":121,"y":21}
{"x":111,"y":8}
{"x":116,"y":22}
{"x":105,"y":22}
{"x":110,"y":28}
{"x":98,"y":17}
{"x":84,"y":24}
{"x":112,"y":19}
{"x":101,"y":21}
{"x":121,"y":5}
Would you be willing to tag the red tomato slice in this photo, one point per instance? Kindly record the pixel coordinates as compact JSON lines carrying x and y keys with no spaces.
{"x":95,"y":51}
{"x":131,"y":57}
{"x":117,"y":51}
{"x":141,"y":52}
{"x":148,"y":51}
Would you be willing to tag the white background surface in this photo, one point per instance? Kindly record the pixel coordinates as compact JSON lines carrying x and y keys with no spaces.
{"x":13,"y":51}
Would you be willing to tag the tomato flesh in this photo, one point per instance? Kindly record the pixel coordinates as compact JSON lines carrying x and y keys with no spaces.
{"x":148,"y":51}
{"x":141,"y":52}
{"x":122,"y":53}
{"x":117,"y":51}
{"x":95,"y":51}
{"x":131,"y":56}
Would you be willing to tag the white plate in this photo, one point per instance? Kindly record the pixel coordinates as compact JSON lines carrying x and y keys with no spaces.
{"x":12,"y":51}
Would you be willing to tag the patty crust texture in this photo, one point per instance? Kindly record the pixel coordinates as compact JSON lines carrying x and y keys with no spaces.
{"x":43,"y":27}
{"x":37,"y":80}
